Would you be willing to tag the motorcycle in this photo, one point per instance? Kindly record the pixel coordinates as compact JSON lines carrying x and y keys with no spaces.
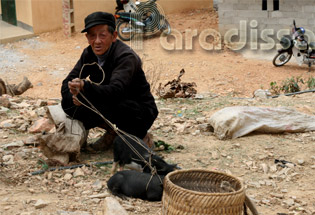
{"x":139,"y":18}
{"x":128,"y":6}
{"x":295,"y":45}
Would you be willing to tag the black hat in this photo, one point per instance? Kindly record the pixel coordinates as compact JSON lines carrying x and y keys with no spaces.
{"x":99,"y":18}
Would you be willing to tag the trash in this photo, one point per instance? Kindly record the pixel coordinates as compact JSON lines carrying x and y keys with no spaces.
{"x":283,"y":163}
{"x":177,"y":89}
{"x":12,"y":89}
{"x":237,"y":121}
{"x":63,"y":145}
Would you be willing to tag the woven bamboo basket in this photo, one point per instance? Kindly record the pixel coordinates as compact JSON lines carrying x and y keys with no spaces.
{"x":202,"y":192}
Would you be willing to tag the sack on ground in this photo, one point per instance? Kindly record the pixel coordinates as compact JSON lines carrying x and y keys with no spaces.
{"x":233,"y":122}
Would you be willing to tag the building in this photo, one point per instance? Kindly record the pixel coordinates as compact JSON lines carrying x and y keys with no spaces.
{"x":260,"y":22}
{"x":40,"y":16}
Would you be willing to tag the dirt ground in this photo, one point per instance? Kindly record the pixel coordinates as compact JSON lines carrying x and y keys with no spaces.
{"x":224,"y":78}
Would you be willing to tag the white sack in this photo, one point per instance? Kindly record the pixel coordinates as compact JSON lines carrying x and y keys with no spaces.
{"x":233,"y":122}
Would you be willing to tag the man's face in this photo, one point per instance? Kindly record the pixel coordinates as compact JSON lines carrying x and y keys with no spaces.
{"x":100,"y":38}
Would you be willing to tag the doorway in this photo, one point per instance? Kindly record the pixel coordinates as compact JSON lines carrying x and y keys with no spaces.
{"x":8,"y":11}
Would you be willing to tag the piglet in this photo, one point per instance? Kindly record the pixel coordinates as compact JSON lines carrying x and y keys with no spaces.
{"x":125,"y":156}
{"x":136,"y":184}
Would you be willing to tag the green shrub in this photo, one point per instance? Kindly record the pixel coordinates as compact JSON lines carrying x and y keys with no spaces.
{"x":291,"y":85}
{"x":311,"y":83}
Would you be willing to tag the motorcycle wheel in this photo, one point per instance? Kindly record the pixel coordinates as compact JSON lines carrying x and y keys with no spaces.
{"x":166,"y":28}
{"x":281,"y":58}
{"x":124,"y":36}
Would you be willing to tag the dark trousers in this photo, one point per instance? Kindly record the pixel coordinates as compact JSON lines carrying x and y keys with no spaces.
{"x":128,"y":116}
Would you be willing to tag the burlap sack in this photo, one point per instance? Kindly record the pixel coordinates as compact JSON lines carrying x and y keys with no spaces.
{"x":65,"y":143}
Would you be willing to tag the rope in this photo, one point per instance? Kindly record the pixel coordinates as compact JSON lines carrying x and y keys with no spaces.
{"x":118,"y":131}
{"x":90,"y":64}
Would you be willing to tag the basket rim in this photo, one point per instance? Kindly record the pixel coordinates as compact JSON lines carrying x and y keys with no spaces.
{"x":241,"y":190}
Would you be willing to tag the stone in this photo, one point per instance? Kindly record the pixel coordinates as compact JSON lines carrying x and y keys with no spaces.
{"x":73,"y":213}
{"x":201,"y":119}
{"x":4,"y":110}
{"x":97,"y":185}
{"x":40,"y":204}
{"x":112,"y":207}
{"x":40,"y":103}
{"x":32,"y":140}
{"x":23,"y":104}
{"x":277,"y":195}
{"x":289,"y":202}
{"x":273,"y":168}
{"x":263,"y":94}
{"x":7,"y":124}
{"x":8,"y":159}
{"x":12,"y":145}
{"x":100,"y":196}
{"x":49,"y":175}
{"x":67,"y":177}
{"x":5,"y":102}
{"x":290,"y":165}
{"x":24,"y":127}
{"x":264,"y":167}
{"x":301,"y":162}
{"x":78,"y":172}
{"x":20,"y":155}
{"x":197,"y":132}
{"x":43,"y":124}
{"x":215,"y":155}
{"x":166,"y":110}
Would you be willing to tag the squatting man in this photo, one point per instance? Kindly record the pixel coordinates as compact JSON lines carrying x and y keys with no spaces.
{"x":117,"y":86}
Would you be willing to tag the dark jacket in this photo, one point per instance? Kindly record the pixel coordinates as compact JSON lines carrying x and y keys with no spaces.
{"x":124,"y":80}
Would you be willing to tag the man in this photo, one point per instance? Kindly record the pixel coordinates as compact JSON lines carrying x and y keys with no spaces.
{"x":117,"y":87}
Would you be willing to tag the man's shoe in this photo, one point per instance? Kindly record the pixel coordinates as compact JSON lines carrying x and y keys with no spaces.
{"x":104,"y":142}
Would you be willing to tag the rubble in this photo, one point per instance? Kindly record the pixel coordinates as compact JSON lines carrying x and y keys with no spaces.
{"x":182,"y":122}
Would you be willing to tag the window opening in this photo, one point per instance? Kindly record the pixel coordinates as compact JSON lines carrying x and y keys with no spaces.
{"x":264,"y":4}
{"x":275,"y":4}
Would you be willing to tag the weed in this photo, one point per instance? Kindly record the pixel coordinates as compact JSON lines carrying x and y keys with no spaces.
{"x":311,"y":83}
{"x":43,"y":164}
{"x":274,"y":88}
{"x":153,"y":72}
{"x":291,"y":85}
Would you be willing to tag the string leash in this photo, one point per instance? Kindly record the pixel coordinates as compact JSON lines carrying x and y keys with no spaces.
{"x":118,"y":131}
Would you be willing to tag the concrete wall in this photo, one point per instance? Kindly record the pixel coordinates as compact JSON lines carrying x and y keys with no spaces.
{"x":232,"y":12}
{"x":24,"y":13}
{"x":47,"y":15}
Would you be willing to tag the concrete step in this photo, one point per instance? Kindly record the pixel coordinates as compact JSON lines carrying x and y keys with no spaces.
{"x":11,"y":33}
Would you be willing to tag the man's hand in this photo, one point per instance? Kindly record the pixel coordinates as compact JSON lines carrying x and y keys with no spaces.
{"x":75,"y":86}
{"x":75,"y":101}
